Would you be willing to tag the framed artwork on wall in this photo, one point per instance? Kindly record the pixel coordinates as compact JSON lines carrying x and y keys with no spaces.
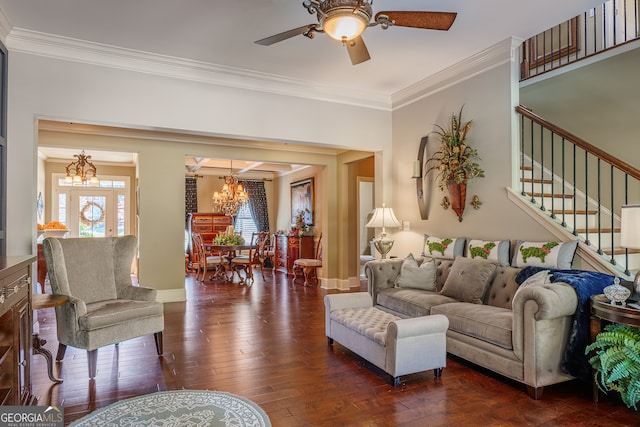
{"x":302,"y":199}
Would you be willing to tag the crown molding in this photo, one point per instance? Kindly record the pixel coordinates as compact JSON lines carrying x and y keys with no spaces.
{"x":69,"y":49}
{"x":495,"y":56}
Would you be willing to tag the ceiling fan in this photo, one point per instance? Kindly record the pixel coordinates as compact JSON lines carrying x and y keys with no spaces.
{"x":345,"y":20}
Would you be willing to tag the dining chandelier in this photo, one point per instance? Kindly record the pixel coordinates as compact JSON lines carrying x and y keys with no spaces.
{"x":232,"y":196}
{"x":81,"y":170}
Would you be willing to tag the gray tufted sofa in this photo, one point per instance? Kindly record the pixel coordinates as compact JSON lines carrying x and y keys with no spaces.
{"x":523,"y":338}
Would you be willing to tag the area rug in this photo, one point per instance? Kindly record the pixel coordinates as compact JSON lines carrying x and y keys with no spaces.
{"x":179,"y":408}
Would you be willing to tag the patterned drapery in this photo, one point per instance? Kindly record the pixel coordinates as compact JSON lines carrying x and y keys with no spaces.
{"x":257,"y":203}
{"x":191,"y":195}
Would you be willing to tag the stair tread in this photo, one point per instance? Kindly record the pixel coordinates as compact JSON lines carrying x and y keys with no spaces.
{"x":551,"y":195}
{"x":537,"y":180}
{"x":620,"y":251}
{"x":595,"y":230}
{"x":577,"y":212}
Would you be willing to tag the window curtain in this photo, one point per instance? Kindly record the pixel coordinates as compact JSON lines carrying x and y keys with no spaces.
{"x":257,"y":203}
{"x":191,"y":195}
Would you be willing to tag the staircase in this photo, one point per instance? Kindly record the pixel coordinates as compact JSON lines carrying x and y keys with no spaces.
{"x":571,"y":187}
{"x":597,"y":229}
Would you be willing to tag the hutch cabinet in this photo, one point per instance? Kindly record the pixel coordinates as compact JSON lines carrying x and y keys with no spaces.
{"x":15,"y":330}
{"x":290,"y":248}
{"x":208,"y":225}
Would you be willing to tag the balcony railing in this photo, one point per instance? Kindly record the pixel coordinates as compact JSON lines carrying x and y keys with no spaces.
{"x":609,"y":25}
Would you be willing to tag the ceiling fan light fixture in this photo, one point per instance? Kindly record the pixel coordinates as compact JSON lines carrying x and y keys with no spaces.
{"x":344,"y":25}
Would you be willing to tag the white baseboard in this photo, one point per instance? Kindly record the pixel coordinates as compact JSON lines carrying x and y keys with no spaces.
{"x":172,"y":295}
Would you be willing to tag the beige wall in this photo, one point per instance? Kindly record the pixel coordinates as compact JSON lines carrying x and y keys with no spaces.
{"x":488,"y":101}
{"x":162,"y":199}
{"x":180,"y":109}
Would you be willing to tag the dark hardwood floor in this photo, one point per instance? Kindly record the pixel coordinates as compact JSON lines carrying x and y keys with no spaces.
{"x":266,"y":342}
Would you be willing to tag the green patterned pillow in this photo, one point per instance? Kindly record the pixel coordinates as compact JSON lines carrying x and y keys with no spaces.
{"x":544,"y":254}
{"x":497,"y":250}
{"x":443,"y":248}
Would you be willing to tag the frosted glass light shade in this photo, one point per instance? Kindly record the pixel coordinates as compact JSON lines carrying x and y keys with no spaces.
{"x":344,"y":26}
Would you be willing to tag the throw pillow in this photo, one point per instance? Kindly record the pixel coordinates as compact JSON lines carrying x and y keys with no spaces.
{"x":545,"y":254}
{"x":469,"y":279}
{"x":539,"y":278}
{"x":445,"y":248}
{"x":416,"y":276}
{"x":490,"y":250}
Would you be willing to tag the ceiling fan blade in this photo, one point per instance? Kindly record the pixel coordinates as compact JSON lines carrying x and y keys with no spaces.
{"x":428,"y":20}
{"x":268,"y":41}
{"x":358,"y":51}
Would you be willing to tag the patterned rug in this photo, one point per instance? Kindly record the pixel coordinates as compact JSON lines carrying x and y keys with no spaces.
{"x":179,"y":408}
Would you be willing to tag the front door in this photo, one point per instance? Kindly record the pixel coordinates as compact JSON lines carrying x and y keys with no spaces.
{"x":92,"y":213}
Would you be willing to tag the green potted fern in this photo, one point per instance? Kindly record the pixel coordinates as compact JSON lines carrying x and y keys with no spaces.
{"x":616,"y":361}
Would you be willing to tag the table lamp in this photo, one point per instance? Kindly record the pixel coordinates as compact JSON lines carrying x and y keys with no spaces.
{"x":630,"y":234}
{"x":382,"y":218}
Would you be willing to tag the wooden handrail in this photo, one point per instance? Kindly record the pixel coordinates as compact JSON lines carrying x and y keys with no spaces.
{"x":597,"y":152}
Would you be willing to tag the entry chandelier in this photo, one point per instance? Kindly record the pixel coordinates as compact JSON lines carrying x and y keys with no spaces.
{"x":81,"y":170}
{"x":232,"y":196}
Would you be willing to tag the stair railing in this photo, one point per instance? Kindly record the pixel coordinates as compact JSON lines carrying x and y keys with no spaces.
{"x":611,"y":24}
{"x":571,"y":169}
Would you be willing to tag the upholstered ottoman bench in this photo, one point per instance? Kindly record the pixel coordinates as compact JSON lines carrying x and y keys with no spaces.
{"x":397,"y":346}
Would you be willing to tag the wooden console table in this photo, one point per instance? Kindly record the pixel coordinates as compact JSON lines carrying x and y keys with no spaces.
{"x":39,"y":301}
{"x":602,"y":312}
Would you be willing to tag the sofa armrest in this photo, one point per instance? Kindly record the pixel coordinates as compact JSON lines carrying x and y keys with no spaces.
{"x":553,"y":300}
{"x":542,"y":319}
{"x":381,"y":274}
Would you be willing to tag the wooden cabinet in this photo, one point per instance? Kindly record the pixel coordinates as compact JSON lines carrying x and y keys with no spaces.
{"x":208,"y":225}
{"x":289,"y":248}
{"x":15,"y":330}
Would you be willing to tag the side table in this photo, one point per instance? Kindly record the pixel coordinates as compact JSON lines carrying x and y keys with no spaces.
{"x":39,"y":301}
{"x":602,"y":311}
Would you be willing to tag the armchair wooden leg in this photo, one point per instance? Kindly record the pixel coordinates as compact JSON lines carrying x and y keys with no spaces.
{"x":158,"y":337}
{"x":62,"y":348}
{"x":92,"y":356}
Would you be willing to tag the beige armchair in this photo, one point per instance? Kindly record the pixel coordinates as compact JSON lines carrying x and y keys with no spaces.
{"x":104,"y":307}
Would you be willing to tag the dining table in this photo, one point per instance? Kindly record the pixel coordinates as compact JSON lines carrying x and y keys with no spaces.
{"x":227,"y":251}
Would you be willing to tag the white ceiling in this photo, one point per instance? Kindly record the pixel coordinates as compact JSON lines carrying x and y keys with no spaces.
{"x":222,"y":32}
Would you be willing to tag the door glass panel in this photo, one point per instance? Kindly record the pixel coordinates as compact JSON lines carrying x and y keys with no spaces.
{"x":121,"y":214}
{"x":92,"y":216}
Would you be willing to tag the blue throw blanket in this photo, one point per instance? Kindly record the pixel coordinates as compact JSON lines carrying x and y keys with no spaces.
{"x":585,"y":283}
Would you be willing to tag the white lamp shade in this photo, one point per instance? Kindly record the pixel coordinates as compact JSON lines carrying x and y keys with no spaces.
{"x":630,"y":226}
{"x":383,"y":217}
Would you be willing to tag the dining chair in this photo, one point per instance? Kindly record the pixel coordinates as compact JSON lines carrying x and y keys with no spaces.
{"x":246,"y":262}
{"x":206,"y":261}
{"x":308,"y":267}
{"x":104,"y":307}
{"x":270,"y":251}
